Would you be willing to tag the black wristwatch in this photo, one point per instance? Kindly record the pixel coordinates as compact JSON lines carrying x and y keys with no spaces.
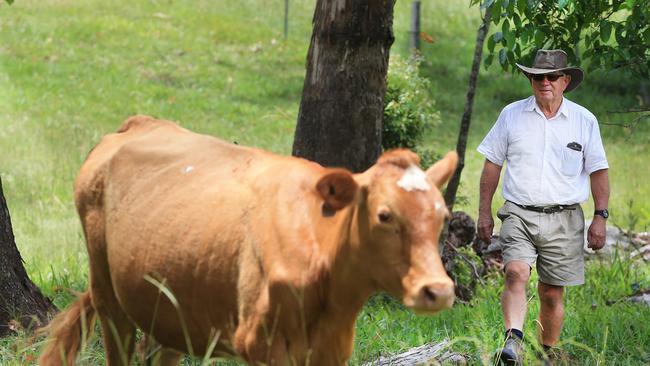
{"x":604,"y":213}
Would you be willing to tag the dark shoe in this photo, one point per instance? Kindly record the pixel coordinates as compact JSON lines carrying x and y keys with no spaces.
{"x":512,"y":352}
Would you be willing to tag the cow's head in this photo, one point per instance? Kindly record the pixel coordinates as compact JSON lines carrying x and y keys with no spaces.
{"x":399,"y":217}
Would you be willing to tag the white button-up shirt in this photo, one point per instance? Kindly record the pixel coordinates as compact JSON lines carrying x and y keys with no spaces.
{"x":548,"y":160}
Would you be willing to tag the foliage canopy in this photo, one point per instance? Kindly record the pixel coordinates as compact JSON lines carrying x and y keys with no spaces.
{"x":409,"y":111}
{"x":606,"y":34}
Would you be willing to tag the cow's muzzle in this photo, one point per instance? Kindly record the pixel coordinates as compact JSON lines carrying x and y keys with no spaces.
{"x":431,"y":297}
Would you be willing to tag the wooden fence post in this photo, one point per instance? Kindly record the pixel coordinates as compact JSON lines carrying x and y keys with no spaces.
{"x":414,"y":42}
{"x":286,"y":19}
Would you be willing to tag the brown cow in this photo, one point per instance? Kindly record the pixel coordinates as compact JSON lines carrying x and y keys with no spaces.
{"x":213,"y":248}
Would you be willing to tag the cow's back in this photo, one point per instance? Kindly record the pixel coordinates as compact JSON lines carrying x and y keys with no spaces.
{"x":185,"y":210}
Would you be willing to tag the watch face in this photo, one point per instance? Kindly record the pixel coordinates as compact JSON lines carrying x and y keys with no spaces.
{"x":603,"y":213}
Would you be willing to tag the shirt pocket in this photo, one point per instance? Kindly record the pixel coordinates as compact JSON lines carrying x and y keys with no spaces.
{"x":571,"y":162}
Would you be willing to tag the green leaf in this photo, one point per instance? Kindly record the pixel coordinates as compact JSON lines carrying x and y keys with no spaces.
{"x":496,"y":14}
{"x":517,"y":20}
{"x":491,"y":43}
{"x":510,"y":38}
{"x":505,"y":28}
{"x":619,"y":34}
{"x":486,"y":4}
{"x":605,"y":30}
{"x":517,"y":51}
{"x":539,"y":38}
{"x":503,"y":56}
{"x":498,"y":36}
{"x":488,"y":61}
{"x":521,"y":5}
{"x":562,"y":4}
{"x":524,"y":35}
{"x":570,"y":24}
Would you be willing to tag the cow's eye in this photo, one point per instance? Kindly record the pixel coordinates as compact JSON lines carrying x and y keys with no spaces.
{"x":385,"y":217}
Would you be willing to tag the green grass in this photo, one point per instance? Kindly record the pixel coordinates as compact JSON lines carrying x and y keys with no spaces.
{"x":71,"y":71}
{"x":594,"y":332}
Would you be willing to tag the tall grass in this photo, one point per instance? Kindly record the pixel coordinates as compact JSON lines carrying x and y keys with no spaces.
{"x":71,"y":71}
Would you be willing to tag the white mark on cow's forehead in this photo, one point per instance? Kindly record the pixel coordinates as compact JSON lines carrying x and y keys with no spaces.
{"x":414,"y":179}
{"x":188,"y":169}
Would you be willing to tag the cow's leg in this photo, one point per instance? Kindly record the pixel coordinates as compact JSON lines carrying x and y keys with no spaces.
{"x":117,"y":330}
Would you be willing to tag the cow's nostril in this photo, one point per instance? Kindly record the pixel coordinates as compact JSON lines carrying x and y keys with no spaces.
{"x":429,"y":293}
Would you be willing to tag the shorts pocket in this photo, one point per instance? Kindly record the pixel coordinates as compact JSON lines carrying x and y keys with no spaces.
{"x":503,"y":212}
{"x":571,"y":162}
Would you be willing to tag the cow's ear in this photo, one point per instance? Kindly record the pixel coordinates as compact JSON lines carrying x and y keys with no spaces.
{"x":441,"y":171}
{"x":337,"y":188}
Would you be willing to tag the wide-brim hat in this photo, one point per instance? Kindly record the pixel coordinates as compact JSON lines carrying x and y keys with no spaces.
{"x":549,"y":61}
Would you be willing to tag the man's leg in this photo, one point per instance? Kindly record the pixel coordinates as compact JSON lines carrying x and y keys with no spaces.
{"x":513,"y":299}
{"x":513,"y":304}
{"x":551,"y":312}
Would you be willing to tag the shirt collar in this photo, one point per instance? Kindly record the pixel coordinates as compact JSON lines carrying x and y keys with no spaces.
{"x":531,"y":105}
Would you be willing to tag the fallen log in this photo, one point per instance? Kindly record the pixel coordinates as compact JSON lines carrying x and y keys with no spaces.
{"x":427,"y":354}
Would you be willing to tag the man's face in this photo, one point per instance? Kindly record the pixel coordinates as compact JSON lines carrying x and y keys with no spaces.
{"x":546,"y":90}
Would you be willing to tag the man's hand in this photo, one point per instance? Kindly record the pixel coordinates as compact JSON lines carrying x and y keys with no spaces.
{"x":597,"y":233}
{"x":484,"y":226}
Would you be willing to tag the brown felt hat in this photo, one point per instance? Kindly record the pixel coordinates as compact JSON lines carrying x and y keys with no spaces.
{"x":548,"y":61}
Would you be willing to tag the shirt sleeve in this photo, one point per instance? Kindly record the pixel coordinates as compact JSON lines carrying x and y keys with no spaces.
{"x":595,"y":158}
{"x":495,"y":144}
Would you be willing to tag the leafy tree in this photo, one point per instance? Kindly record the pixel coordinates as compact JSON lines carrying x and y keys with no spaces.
{"x":607,"y":34}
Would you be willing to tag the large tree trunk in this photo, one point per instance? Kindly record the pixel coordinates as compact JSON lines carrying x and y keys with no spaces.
{"x":21,"y":302}
{"x":461,"y":145}
{"x":340,"y":118}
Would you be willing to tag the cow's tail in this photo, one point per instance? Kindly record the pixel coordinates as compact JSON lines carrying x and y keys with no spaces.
{"x":67,"y":331}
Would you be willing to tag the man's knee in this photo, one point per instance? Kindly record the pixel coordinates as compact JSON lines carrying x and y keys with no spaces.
{"x":550,"y":295}
{"x":517,"y":272}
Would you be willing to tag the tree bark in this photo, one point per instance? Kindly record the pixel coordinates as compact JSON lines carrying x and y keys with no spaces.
{"x":340,"y":117}
{"x":21,"y":302}
{"x":461,"y":145}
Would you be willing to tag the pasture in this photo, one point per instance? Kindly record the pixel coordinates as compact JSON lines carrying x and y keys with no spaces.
{"x":71,"y":71}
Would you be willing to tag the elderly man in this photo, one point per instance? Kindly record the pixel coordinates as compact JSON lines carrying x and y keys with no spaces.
{"x":553,"y":151}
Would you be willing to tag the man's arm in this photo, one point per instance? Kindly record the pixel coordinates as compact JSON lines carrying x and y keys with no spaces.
{"x":488,"y":184}
{"x":600,"y":192}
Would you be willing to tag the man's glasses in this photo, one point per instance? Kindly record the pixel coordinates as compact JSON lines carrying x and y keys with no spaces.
{"x":549,"y":77}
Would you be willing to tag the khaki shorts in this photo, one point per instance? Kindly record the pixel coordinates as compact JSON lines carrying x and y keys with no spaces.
{"x":554,"y":240}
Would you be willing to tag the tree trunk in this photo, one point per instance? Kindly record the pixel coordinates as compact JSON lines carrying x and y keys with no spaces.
{"x":461,"y":145}
{"x":21,"y":302}
{"x":340,"y":118}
